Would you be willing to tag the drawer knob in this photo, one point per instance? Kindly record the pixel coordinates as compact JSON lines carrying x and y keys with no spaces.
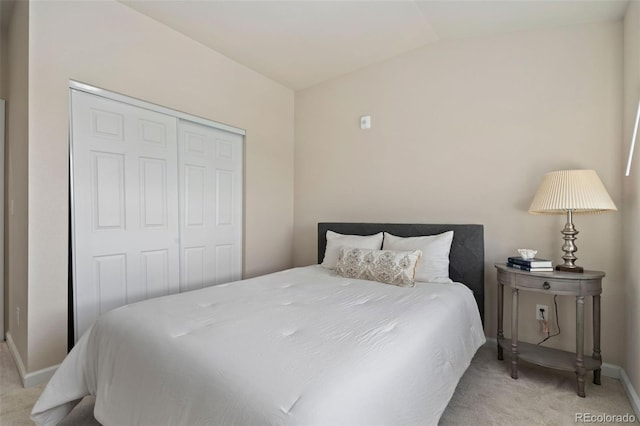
{"x":546,"y":285}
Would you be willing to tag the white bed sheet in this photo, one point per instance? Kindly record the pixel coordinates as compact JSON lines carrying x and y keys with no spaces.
{"x":302,"y":346}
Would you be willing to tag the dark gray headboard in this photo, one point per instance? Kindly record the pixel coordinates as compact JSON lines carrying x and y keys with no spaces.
{"x":466,"y":259}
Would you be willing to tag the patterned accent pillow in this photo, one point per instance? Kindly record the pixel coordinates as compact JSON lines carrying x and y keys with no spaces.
{"x":385,"y":266}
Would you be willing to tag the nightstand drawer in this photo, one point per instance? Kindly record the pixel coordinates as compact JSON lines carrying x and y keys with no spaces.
{"x":551,"y":284}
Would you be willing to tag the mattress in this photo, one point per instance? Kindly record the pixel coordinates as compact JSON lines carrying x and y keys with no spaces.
{"x":301,"y":346}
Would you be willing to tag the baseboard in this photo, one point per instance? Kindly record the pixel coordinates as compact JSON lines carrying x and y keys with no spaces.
{"x":37,"y":377}
{"x":611,"y":370}
{"x":28,"y":379}
{"x":17,"y":359}
{"x":632,"y":394}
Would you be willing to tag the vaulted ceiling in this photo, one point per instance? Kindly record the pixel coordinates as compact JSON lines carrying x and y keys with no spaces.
{"x":302,"y":43}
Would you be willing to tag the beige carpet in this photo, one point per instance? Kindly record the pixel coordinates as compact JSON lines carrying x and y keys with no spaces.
{"x":486,"y":395}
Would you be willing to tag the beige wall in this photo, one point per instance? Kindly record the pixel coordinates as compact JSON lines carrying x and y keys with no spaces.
{"x":106,"y":44}
{"x":631,"y":212}
{"x":462,"y":132}
{"x":17,"y":176}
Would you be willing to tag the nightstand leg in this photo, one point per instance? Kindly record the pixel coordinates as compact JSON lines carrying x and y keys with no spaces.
{"x":596,"y":338}
{"x":500,"y":319}
{"x":514,"y":334}
{"x":580,"y":369}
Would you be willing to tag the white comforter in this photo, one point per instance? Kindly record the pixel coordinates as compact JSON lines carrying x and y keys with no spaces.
{"x":301,"y":346}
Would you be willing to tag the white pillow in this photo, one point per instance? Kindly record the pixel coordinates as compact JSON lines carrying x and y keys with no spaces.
{"x":335,"y":241}
{"x":434,"y":265}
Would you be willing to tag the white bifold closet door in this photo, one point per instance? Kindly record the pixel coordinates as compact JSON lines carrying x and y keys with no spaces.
{"x":210,"y":200}
{"x":157,"y":205}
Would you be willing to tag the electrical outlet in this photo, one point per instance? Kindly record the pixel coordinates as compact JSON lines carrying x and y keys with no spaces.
{"x":540,"y":309}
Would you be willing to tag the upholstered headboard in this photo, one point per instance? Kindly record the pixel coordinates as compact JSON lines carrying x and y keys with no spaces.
{"x":466,"y":259}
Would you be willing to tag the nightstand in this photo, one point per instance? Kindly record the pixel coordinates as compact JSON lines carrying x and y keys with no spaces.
{"x":588,"y":283}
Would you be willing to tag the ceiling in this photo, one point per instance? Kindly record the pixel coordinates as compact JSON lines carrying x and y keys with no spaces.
{"x":302,"y":43}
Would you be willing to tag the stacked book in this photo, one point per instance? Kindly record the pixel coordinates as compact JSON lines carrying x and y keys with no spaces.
{"x":533,"y":265}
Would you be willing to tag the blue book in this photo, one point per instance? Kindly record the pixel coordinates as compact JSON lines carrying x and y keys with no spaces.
{"x":532,"y":263}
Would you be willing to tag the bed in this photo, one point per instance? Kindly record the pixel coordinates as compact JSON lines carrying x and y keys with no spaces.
{"x":300,"y":346}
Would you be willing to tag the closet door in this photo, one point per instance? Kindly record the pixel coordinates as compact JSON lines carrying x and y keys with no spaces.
{"x":2,"y":194}
{"x":125,"y":198}
{"x":210,"y":169}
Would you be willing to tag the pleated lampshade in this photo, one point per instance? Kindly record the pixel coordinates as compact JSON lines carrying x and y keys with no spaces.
{"x":580,"y":191}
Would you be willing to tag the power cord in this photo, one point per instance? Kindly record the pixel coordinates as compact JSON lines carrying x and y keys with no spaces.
{"x":549,"y":335}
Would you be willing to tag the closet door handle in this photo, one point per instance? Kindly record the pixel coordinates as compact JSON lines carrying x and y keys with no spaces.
{"x":546,"y":285}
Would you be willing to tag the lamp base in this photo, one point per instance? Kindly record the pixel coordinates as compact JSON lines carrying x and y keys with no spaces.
{"x":569,"y":233}
{"x":564,"y":268}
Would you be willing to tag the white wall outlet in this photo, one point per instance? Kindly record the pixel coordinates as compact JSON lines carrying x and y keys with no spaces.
{"x":544,"y":308}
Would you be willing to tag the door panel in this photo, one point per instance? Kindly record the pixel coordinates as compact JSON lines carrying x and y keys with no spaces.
{"x":107,"y":191}
{"x":194,"y":195}
{"x":224,"y":198}
{"x":110,"y":281}
{"x":193,"y":268}
{"x":210,"y":170}
{"x":125,"y":205}
{"x":153,"y":193}
{"x":155,"y":273}
{"x":224,"y":263}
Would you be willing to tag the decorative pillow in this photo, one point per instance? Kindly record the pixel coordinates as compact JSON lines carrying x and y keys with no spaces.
{"x":335,"y":241}
{"x":434,"y":264}
{"x":385,"y":266}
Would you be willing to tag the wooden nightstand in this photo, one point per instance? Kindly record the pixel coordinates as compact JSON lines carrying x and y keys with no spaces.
{"x":580,"y":285}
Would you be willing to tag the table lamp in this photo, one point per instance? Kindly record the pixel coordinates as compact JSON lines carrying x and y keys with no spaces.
{"x":568,"y":192}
